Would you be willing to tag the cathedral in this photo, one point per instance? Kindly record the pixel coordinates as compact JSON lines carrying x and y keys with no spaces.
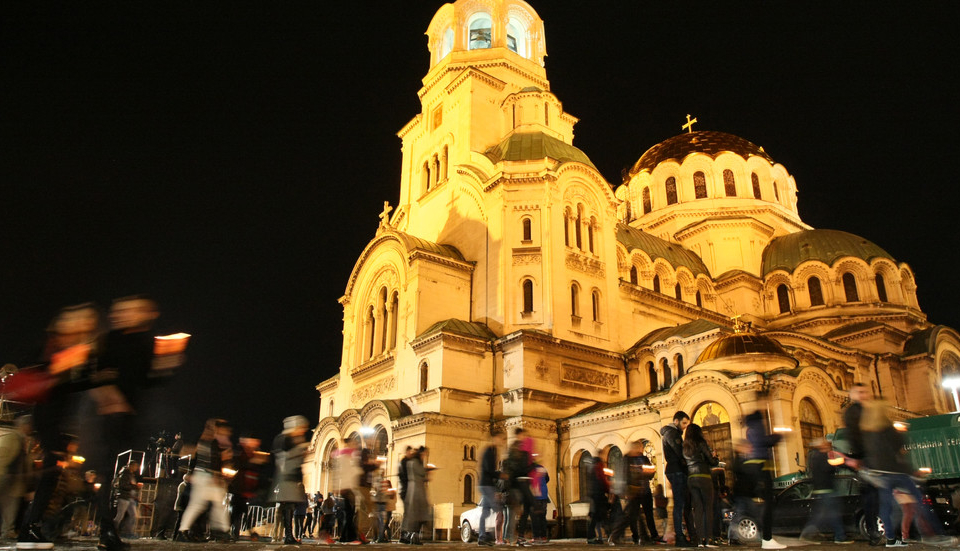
{"x":512,"y":286}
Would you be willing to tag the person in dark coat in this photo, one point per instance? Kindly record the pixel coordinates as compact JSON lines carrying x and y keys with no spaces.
{"x":826,"y":503}
{"x":700,"y":461}
{"x":598,"y":488}
{"x":245,"y":485}
{"x":639,"y":474}
{"x":761,"y":442}
{"x":745,"y":479}
{"x":214,"y":452}
{"x":869,"y":498}
{"x":489,"y":477}
{"x":289,"y":448}
{"x":417,"y":510}
{"x":676,"y":472}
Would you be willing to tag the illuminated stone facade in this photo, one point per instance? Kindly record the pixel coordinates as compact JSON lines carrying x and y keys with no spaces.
{"x":511,"y":286}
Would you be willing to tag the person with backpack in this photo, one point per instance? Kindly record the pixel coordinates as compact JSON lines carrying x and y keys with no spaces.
{"x":539,"y":477}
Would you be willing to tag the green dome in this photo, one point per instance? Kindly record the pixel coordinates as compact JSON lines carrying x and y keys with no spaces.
{"x":532,"y":146}
{"x":674,"y":253}
{"x":789,"y":251}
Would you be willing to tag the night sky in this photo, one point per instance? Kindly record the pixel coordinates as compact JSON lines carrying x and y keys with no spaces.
{"x":231,"y":159}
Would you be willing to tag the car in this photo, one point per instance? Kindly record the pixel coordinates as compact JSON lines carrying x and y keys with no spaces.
{"x":470,"y":521}
{"x":793,"y":506}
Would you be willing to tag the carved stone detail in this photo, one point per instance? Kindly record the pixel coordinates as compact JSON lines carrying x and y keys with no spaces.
{"x":584,"y":264}
{"x":364,"y":394}
{"x":609,"y":382}
{"x":523,"y":259}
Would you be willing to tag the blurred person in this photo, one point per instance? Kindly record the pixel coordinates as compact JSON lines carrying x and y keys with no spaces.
{"x":700,"y":460}
{"x":639,"y":474}
{"x":887,"y":461}
{"x":289,"y":448}
{"x":402,"y":479}
{"x":180,"y":505}
{"x":68,"y":359}
{"x":16,"y":467}
{"x":869,"y":498}
{"x":127,"y":488}
{"x":300,"y":519}
{"x":761,"y":444}
{"x":746,"y":472}
{"x":908,"y":506}
{"x":490,"y":476}
{"x":348,"y":474}
{"x":676,"y":472}
{"x":386,"y":502}
{"x":598,"y":490}
{"x":660,"y":507}
{"x":327,"y":519}
{"x":209,"y":488}
{"x":417,"y":511}
{"x":366,"y":511}
{"x":526,"y":495}
{"x":826,"y":502}
{"x":515,"y":469}
{"x":244,"y":488}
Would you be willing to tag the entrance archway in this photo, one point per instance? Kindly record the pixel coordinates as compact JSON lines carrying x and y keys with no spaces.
{"x":811,"y":424}
{"x":715,"y":422}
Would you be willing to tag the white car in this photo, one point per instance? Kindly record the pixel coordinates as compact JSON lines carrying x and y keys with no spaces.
{"x":470,"y":521}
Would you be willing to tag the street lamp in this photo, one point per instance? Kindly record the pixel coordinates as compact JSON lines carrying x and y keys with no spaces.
{"x":952,"y":384}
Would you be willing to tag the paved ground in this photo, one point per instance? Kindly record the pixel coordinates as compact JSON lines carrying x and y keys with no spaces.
{"x":556,"y":545}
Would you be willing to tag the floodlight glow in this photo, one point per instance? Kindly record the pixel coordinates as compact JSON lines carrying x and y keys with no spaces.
{"x":782,"y":429}
{"x":366,"y":431}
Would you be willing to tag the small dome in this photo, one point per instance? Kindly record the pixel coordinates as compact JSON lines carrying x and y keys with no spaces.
{"x":739,"y":344}
{"x":709,"y":143}
{"x":534,"y":146}
{"x":674,"y":253}
{"x":790,"y":251}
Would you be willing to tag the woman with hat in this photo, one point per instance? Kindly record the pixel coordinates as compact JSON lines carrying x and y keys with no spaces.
{"x":289,"y":448}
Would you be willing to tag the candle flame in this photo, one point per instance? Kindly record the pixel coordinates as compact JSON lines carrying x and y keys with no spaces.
{"x":173,"y":337}
{"x":782,"y":429}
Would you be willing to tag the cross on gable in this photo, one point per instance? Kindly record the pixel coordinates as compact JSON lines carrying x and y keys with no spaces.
{"x":385,"y":215}
{"x":690,"y":122}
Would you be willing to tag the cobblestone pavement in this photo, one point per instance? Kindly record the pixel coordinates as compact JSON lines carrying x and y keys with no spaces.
{"x":308,"y":545}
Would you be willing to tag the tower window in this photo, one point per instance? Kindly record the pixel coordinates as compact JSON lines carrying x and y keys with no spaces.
{"x":776,"y":191}
{"x":783,"y":299}
{"x":546,"y":114}
{"x":527,"y":296}
{"x":678,"y":292}
{"x":700,"y":185}
{"x":578,"y":230}
{"x":656,"y":283}
{"x":679,"y":360}
{"x":667,"y":375}
{"x":816,"y":292}
{"x":652,"y":375}
{"x":755,"y":180}
{"x":480,"y":31}
{"x":729,"y":183}
{"x":593,"y":222}
{"x":575,"y":300}
{"x":850,"y":287}
{"x":881,"y":288}
{"x":447,"y":45}
{"x":566,"y":226}
{"x":595,"y":297}
{"x":527,"y":227}
{"x":671,"y":190}
{"x":517,"y":37}
{"x":468,"y":489}
{"x":647,"y":205}
{"x":699,"y":299}
{"x":634,"y":275}
{"x":424,"y":373}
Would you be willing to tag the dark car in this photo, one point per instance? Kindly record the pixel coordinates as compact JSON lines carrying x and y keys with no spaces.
{"x":793,"y":506}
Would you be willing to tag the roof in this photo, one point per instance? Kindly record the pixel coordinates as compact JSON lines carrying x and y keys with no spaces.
{"x":685,"y":330}
{"x":530,"y":146}
{"x":789,"y":251}
{"x":415,"y":243}
{"x":707,"y":142}
{"x":852,"y":328}
{"x":923,"y":341}
{"x":655,"y":248}
{"x":459,"y":327}
{"x":739,"y":344}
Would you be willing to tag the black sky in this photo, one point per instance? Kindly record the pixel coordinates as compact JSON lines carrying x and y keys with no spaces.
{"x":231,"y":159}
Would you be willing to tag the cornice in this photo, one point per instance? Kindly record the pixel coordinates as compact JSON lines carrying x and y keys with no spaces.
{"x":678,"y":214}
{"x":330,"y":384}
{"x":414,"y":122}
{"x":419,"y":254}
{"x":713,"y":223}
{"x":382,"y":363}
{"x":691,"y":310}
{"x":524,"y":335}
{"x":443,"y":337}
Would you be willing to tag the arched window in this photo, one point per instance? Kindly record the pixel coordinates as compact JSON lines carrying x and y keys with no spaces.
{"x":671,"y":190}
{"x":517,"y":37}
{"x":652,"y":375}
{"x":578,"y":229}
{"x":380,"y":442}
{"x":679,"y":360}
{"x":783,"y":299}
{"x":699,"y":300}
{"x":394,"y":314}
{"x":584,"y":472}
{"x":755,"y":180}
{"x":527,"y":296}
{"x":444,"y":162}
{"x":372,"y":325}
{"x":811,"y":425}
{"x":881,"y":288}
{"x":527,"y":228}
{"x":634,"y":276}
{"x":473,"y":453}
{"x":480,"y":31}
{"x":699,"y":185}
{"x":595,"y":298}
{"x":426,"y":176}
{"x":776,"y":191}
{"x":729,"y":184}
{"x":468,"y":488}
{"x":816,"y":292}
{"x":590,"y":233}
{"x":424,"y":375}
{"x":667,"y":374}
{"x":384,"y":314}
{"x":839,"y":382}
{"x":647,"y":205}
{"x":616,"y":464}
{"x":850,"y":287}
{"x":566,"y":226}
{"x":678,"y":292}
{"x":330,"y":408}
{"x":575,"y":300}
{"x":656,"y":283}
{"x":446,"y":46}
{"x":466,"y":452}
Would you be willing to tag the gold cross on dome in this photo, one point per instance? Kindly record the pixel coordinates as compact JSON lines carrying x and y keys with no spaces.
{"x":385,"y":215}
{"x":690,"y":122}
